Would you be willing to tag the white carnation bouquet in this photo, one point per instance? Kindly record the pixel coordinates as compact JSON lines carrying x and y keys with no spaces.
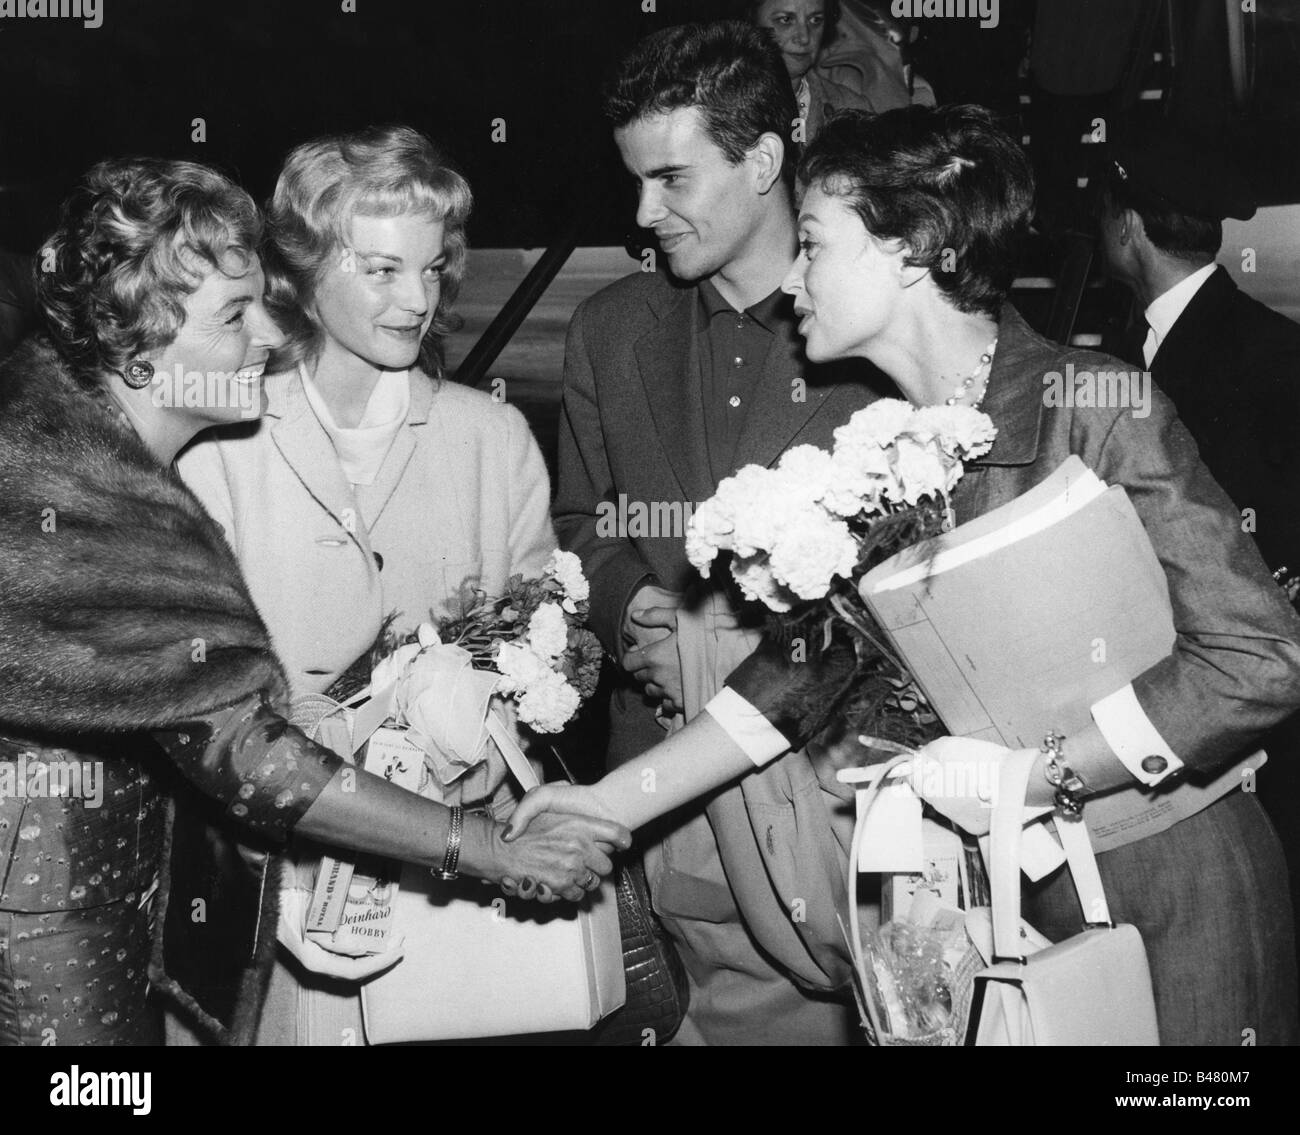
{"x":530,"y":645}
{"x":801,"y":534}
{"x":432,"y":710}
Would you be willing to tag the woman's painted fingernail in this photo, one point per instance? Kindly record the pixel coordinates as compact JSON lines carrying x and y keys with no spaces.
{"x":509,"y":833}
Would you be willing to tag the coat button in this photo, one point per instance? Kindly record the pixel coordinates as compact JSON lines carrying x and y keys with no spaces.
{"x":379,"y":560}
{"x":1154,"y":764}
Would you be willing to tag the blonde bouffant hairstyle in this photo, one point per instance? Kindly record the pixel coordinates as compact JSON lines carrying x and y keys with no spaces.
{"x":378,"y":172}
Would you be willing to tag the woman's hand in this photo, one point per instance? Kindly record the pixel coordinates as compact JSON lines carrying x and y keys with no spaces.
{"x":958,"y":776}
{"x":560,"y":855}
{"x":573,"y":799}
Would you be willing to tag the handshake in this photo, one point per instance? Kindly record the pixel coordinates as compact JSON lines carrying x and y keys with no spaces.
{"x":559,"y":841}
{"x":558,"y":844}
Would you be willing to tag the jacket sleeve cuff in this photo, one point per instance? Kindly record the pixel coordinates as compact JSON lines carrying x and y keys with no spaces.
{"x":1133,"y":738}
{"x":744,"y":724}
{"x":247,"y":757}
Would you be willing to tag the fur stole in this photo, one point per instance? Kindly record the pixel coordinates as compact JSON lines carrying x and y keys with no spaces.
{"x":122,"y":606}
{"x":123,"y":610}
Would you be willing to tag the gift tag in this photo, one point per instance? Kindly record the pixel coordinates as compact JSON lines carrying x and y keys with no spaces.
{"x":390,"y":755}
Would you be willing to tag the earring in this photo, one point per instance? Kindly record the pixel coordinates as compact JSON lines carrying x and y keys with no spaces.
{"x":138,"y":374}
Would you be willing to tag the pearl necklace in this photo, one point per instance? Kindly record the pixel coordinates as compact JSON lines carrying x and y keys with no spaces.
{"x":963,"y":387}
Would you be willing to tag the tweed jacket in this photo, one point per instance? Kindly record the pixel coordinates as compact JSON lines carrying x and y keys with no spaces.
{"x":632,"y":435}
{"x":632,"y":431}
{"x":462,"y":497}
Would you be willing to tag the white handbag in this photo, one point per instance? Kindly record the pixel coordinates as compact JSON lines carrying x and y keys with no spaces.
{"x":1091,"y":989}
{"x":477,"y":964}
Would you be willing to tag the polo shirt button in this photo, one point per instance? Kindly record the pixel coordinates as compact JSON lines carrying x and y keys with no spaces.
{"x":734,"y":401}
{"x":1154,"y":764}
{"x":738,"y":361}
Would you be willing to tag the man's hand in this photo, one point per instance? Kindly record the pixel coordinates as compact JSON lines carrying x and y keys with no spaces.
{"x":650,"y":638}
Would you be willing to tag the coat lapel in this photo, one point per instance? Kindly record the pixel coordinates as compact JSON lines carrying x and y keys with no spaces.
{"x":668,"y":362}
{"x":1194,"y":333}
{"x":781,"y":410}
{"x":307,"y":450}
{"x":1018,"y":417}
{"x":373,"y":499}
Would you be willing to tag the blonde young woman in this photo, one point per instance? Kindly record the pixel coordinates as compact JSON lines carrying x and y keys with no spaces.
{"x":373,"y":487}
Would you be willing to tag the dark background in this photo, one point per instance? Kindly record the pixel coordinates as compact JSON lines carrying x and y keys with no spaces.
{"x":266,"y":75}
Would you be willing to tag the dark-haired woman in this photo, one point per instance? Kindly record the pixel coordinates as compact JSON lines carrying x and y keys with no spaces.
{"x":125,"y":624}
{"x":888,"y":198}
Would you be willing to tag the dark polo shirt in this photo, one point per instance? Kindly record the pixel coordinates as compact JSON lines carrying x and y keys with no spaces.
{"x":731,"y":362}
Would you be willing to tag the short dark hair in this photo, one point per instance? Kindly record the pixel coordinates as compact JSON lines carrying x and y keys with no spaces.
{"x":729,"y":69}
{"x":748,"y":10}
{"x":1174,"y":232}
{"x":134,"y":241}
{"x":948,"y":182}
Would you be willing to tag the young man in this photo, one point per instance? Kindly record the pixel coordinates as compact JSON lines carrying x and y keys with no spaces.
{"x":673,"y":380}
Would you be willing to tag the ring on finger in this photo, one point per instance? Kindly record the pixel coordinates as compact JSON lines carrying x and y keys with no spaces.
{"x":591,"y":882}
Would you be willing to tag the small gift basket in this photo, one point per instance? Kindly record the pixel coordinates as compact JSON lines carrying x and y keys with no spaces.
{"x":914,"y":977}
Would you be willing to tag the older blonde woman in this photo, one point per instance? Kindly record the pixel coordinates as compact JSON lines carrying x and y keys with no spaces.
{"x":373,"y":487}
{"x":125,"y":624}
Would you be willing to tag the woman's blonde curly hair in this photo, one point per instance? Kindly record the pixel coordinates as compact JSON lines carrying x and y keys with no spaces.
{"x":133,"y":241}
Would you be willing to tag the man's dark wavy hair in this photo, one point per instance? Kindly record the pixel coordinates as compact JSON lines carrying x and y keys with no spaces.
{"x":730,"y":70}
{"x":1177,"y":233}
{"x":948,"y":182}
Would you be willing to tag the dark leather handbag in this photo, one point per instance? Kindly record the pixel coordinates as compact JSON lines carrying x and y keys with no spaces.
{"x":657,"y":993}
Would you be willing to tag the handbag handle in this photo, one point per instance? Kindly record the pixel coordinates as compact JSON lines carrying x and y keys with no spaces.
{"x":515,"y":760}
{"x":1005,"y":831}
{"x":855,"y":853}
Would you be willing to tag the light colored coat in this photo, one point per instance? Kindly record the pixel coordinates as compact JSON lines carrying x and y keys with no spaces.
{"x":462,"y":495}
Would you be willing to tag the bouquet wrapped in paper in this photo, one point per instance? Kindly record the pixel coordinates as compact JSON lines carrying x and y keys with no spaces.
{"x":421,"y":721}
{"x":801,"y":534}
